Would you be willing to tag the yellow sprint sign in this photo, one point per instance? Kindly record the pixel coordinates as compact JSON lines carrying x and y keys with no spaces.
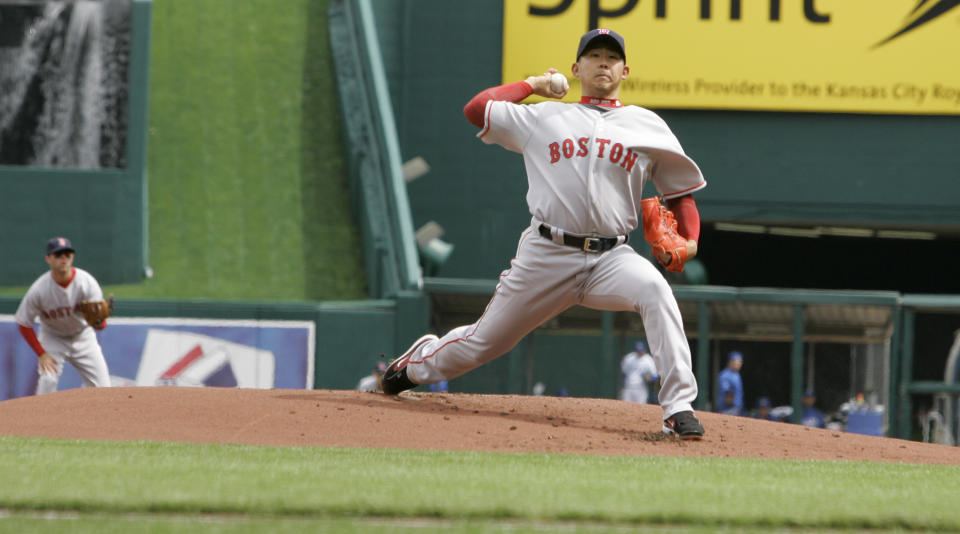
{"x":864,"y":56}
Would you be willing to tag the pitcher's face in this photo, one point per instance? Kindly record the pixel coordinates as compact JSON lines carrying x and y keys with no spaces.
{"x":600,"y":71}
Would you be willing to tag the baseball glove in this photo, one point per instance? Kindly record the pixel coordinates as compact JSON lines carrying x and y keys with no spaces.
{"x":660,"y":230}
{"x":97,"y":311}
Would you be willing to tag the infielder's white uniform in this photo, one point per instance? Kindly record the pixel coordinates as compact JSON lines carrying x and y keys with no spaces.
{"x":638,"y":369}
{"x":586,"y":164}
{"x":64,"y":333}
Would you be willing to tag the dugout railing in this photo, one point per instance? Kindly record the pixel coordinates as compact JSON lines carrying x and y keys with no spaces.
{"x":799,"y":317}
{"x":907,"y":388}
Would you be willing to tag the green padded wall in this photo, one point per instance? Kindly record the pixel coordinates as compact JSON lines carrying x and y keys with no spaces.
{"x":350,"y":336}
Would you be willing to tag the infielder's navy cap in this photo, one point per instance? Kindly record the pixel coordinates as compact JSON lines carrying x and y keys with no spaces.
{"x":605,"y":34}
{"x":58,"y":244}
{"x":735,"y":355}
{"x":640,"y":346}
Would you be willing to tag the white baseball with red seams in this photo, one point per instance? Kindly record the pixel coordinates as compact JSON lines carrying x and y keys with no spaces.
{"x":558,"y":82}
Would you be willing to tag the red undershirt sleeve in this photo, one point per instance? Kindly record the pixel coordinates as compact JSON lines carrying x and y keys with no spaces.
{"x":32,"y":340}
{"x":688,"y":217}
{"x":511,"y":92}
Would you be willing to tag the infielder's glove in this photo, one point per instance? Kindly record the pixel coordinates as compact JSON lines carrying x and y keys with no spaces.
{"x":97,"y":311}
{"x":660,"y":230}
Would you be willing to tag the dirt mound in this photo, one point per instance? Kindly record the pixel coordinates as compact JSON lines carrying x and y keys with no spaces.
{"x":442,"y":421}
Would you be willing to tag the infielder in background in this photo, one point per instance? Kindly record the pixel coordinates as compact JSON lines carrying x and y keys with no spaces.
{"x":587,"y":164}
{"x":55,"y":300}
{"x":639,"y":371}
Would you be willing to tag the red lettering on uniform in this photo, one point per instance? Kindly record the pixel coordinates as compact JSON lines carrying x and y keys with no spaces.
{"x":45,"y":314}
{"x":580,"y":147}
{"x":583,"y":146}
{"x":602,"y":145}
{"x":554,"y":152}
{"x":616,"y":152}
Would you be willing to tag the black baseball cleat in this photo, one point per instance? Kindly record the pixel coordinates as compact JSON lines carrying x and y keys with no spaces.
{"x":395,"y":379}
{"x":683,"y":424}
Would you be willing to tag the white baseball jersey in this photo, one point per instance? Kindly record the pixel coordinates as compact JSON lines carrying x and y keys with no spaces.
{"x":638,"y":369}
{"x":586,"y":167}
{"x":64,"y":333}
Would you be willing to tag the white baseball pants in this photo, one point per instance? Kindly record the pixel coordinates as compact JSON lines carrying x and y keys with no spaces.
{"x":82,"y":351}
{"x":545,"y":279}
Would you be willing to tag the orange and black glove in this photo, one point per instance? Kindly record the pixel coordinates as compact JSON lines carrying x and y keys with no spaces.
{"x":660,"y":230}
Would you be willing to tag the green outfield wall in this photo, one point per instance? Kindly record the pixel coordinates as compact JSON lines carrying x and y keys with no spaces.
{"x":350,"y":336}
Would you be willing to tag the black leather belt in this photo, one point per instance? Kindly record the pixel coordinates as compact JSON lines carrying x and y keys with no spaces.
{"x":587,"y":244}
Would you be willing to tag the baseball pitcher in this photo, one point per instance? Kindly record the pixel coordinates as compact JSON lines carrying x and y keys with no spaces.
{"x":586,"y":165}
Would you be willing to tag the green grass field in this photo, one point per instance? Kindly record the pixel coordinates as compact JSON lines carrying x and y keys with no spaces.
{"x":80,"y":486}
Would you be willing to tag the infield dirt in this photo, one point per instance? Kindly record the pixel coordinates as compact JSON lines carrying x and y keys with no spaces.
{"x":438,"y":421}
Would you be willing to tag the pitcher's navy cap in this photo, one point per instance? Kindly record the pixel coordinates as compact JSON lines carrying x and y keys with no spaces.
{"x":640,"y":346}
{"x":605,"y":34}
{"x":58,"y":244}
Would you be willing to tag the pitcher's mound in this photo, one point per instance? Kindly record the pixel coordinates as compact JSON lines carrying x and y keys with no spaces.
{"x":443,"y":421}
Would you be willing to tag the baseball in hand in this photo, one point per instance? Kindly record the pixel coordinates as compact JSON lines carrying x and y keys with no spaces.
{"x":558,"y":82}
